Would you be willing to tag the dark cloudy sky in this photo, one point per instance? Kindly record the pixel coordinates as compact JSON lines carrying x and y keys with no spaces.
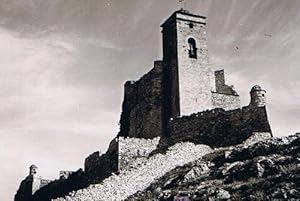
{"x":63,"y":64}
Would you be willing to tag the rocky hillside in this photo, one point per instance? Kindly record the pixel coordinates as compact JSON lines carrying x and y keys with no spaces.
{"x":266,"y":170}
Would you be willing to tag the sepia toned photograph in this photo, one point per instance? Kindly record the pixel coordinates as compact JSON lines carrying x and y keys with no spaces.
{"x":155,"y":100}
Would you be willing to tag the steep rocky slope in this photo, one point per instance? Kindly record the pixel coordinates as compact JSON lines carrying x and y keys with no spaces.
{"x":266,"y":170}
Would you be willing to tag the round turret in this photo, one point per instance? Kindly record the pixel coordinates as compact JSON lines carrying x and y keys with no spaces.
{"x":258,"y":96}
{"x":33,"y":169}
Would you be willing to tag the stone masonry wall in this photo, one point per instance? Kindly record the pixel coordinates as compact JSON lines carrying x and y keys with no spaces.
{"x":218,"y":127}
{"x":132,"y":148}
{"x":24,"y":193}
{"x":225,"y":101}
{"x":142,"y":106}
{"x":196,"y":78}
{"x":225,"y":96}
{"x":100,"y":166}
{"x":60,"y":187}
{"x":221,"y":86}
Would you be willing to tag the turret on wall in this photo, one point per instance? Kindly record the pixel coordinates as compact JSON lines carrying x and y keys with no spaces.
{"x":258,"y":96}
{"x":29,"y":185}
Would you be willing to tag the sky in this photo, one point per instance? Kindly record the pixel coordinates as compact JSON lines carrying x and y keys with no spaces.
{"x":63,"y":64}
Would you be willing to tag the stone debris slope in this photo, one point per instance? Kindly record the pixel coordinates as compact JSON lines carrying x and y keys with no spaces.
{"x":119,"y":187}
{"x":266,"y":170}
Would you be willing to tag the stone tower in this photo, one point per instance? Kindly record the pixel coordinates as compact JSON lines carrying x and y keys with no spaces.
{"x":185,"y":54}
{"x":179,"y":85}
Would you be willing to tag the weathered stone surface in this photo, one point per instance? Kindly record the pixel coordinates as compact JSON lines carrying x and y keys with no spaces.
{"x":218,"y":127}
{"x":225,"y":101}
{"x":142,"y":106}
{"x":98,"y":167}
{"x":129,"y":149}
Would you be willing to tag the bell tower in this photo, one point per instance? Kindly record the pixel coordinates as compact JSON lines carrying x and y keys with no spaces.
{"x":190,"y":81}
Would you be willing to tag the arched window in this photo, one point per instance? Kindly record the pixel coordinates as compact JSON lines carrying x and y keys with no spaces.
{"x":192,"y":48}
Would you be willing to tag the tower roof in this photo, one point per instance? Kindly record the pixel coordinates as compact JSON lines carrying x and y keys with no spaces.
{"x":33,"y":166}
{"x":185,"y":15}
{"x":256,"y":88}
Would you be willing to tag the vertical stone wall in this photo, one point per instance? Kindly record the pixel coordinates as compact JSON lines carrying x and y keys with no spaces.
{"x":131,"y":149}
{"x":196,"y":78}
{"x":170,"y":59}
{"x":59,"y":187}
{"x":221,"y":86}
{"x":225,"y":96}
{"x":100,"y":166}
{"x":142,"y":106}
{"x":24,"y":193}
{"x":218,"y":127}
{"x":225,"y":101}
{"x":220,"y":80}
{"x":36,"y":183}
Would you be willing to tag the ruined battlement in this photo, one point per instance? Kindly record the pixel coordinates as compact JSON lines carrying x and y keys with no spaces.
{"x":142,"y":107}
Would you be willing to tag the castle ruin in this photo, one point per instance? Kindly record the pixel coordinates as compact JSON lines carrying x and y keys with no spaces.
{"x":180,"y":99}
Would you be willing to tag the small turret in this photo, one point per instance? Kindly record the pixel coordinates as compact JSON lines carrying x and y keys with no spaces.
{"x":258,"y":96}
{"x":33,"y":169}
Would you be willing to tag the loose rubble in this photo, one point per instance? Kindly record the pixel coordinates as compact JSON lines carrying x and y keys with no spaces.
{"x":119,"y":187}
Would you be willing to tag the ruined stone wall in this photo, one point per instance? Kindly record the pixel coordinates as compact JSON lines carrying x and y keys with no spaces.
{"x":221,"y":86}
{"x":225,"y":96}
{"x":142,"y":106}
{"x":132,"y":148}
{"x":100,"y":166}
{"x":60,"y":187}
{"x":218,"y":127}
{"x":24,"y":193}
{"x":225,"y":101}
{"x":65,"y":174}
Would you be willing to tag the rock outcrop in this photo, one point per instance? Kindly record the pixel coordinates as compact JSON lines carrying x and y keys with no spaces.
{"x":266,"y":170}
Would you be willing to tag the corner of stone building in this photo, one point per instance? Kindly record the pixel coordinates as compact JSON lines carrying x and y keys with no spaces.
{"x":142,"y":106}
